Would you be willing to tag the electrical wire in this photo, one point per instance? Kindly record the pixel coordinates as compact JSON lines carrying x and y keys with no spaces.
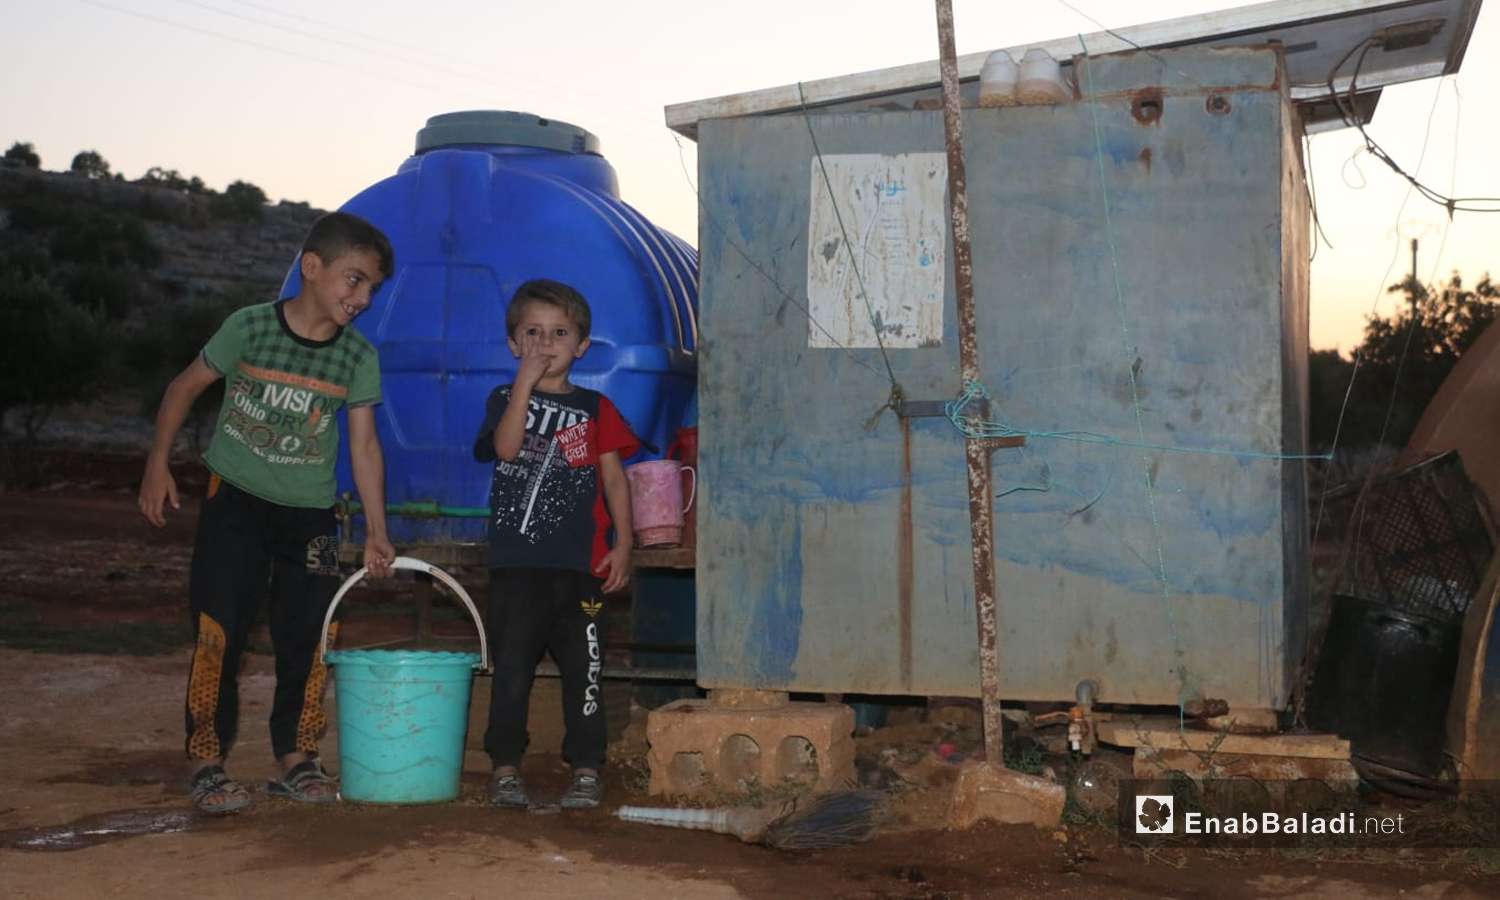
{"x":896,"y":394}
{"x":343,"y":28}
{"x":490,"y":81}
{"x":707,"y":218}
{"x":328,"y":38}
{"x":485,"y":75}
{"x":1344,"y":101}
{"x":1347,"y":112}
{"x":282,"y":51}
{"x":1319,"y":235}
{"x":1125,"y":40}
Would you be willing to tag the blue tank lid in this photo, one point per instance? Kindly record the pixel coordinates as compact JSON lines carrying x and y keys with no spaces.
{"x":516,"y":129}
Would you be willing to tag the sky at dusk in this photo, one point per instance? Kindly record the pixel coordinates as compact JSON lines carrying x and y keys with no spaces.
{"x":316,"y":100}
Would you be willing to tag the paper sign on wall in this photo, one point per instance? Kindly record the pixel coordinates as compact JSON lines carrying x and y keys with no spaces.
{"x":877,"y":250}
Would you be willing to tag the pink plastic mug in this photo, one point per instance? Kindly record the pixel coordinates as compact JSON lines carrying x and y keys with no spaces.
{"x":657,"y":501}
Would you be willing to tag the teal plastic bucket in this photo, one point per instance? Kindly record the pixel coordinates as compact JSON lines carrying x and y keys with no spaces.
{"x":403,"y":714}
{"x":402,"y":720}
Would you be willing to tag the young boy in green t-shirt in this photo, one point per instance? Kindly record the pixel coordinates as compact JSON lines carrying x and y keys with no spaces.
{"x":269,"y":510}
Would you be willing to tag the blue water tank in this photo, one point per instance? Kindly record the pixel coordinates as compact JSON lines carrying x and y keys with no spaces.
{"x":488,"y":200}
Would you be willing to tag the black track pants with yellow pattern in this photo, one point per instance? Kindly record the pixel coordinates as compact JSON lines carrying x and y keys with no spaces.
{"x":246,"y":550}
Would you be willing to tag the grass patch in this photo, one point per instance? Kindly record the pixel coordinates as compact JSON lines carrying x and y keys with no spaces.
{"x":1029,"y":759}
{"x":1470,"y":821}
{"x":23,"y":629}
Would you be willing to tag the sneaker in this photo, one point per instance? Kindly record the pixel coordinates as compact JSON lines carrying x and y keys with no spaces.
{"x":584,"y":793}
{"x":508,"y":790}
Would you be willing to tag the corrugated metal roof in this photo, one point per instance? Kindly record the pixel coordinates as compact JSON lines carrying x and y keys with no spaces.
{"x":1326,"y":43}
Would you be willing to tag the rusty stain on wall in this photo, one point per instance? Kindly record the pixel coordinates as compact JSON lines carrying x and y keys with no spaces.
{"x":1146,"y":106}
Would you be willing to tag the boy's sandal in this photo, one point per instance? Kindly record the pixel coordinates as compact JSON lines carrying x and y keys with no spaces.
{"x":213,"y":791}
{"x":302,"y":782}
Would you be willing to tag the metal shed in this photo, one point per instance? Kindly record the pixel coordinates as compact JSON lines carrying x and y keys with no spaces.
{"x":1141,"y":278}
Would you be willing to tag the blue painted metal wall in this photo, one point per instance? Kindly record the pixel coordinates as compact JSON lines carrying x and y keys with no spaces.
{"x":1140,"y":272}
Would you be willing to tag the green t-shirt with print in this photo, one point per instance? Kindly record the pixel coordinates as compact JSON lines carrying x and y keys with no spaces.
{"x":277,"y":435}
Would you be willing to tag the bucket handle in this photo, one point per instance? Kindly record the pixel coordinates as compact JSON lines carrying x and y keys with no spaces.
{"x":415,"y":565}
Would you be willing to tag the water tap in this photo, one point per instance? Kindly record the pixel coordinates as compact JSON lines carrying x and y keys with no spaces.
{"x":1081,"y":738}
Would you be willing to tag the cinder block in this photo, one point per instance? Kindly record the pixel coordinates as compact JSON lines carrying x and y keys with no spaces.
{"x":698,"y":747}
{"x":1239,"y":782}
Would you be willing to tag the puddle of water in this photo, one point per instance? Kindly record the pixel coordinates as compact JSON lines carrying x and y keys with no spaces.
{"x":93,"y":830}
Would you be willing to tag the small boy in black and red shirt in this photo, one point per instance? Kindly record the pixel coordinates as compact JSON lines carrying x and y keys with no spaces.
{"x":558,"y":488}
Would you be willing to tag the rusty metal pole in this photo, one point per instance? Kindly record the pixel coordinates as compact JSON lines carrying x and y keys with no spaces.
{"x":977,"y":454}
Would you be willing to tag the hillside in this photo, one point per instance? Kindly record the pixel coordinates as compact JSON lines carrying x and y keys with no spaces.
{"x":202,"y":254}
{"x":108,"y":287}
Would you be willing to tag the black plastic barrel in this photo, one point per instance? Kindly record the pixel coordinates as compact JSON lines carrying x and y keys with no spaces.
{"x":1383,"y":682}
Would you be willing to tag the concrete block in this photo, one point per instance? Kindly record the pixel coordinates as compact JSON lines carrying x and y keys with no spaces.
{"x":698,"y":747}
{"x":985,"y":791}
{"x":1234,"y":783}
{"x":747,"y":699}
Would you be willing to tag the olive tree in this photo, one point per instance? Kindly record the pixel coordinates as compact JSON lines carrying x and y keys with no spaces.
{"x":23,"y":154}
{"x":52,"y":351}
{"x":90,"y":164}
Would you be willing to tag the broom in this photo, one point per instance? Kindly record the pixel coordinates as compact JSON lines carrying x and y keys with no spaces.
{"x":822,"y":821}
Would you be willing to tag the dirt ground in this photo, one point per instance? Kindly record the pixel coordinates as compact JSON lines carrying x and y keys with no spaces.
{"x":92,"y":800}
